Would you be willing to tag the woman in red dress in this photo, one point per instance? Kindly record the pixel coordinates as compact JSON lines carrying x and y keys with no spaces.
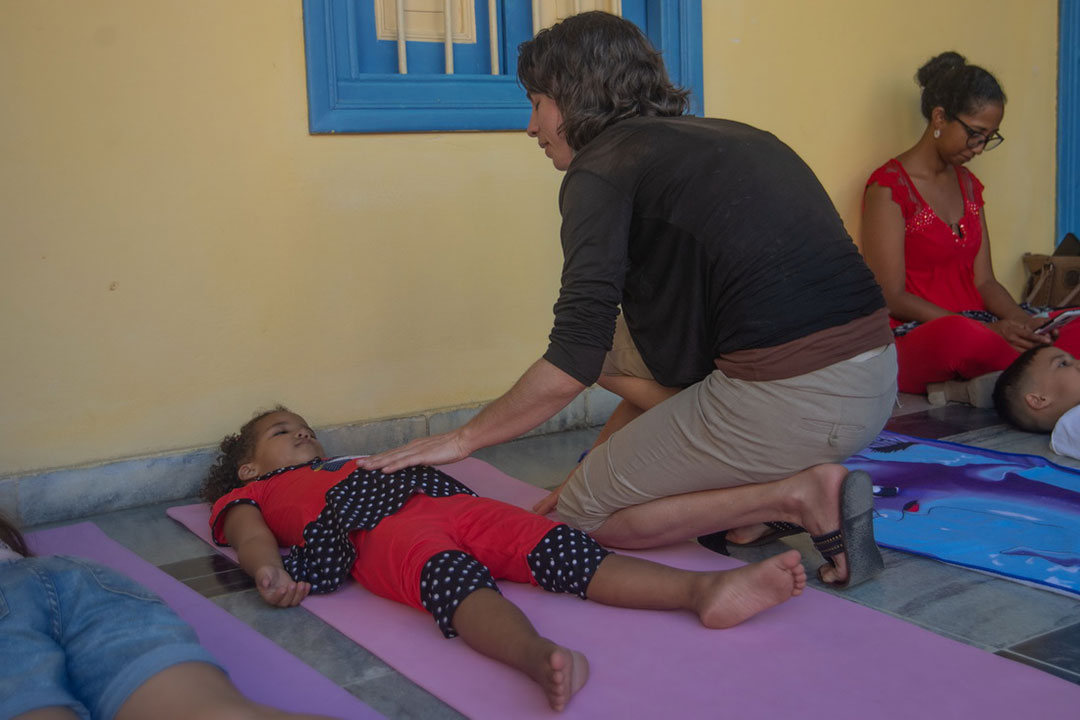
{"x":924,"y":235}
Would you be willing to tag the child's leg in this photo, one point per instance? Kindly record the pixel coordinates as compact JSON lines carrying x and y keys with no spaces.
{"x":720,"y":599}
{"x":413,"y":557}
{"x":495,"y":627}
{"x":523,"y":547}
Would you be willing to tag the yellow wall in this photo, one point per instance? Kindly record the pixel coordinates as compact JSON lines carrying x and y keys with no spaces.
{"x":835,"y":80}
{"x":178,"y":250}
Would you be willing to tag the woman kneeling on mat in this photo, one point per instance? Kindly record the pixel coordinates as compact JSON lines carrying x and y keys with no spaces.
{"x":420,"y":537}
{"x":755,"y":352}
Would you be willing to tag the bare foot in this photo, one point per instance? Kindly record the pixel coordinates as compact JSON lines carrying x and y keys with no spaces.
{"x":729,"y":597}
{"x":561,"y":674}
{"x":818,"y":496}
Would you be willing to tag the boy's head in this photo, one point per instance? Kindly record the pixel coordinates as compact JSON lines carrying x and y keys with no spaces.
{"x":1038,"y":388}
{"x":270,"y":440}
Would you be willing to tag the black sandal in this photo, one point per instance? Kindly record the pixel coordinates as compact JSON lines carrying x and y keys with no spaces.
{"x":718,"y":543}
{"x":855,"y":538}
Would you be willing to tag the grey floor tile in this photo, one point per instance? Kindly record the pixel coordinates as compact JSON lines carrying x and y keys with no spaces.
{"x":307,"y":637}
{"x":544,"y":461}
{"x":198,"y":567}
{"x":981,"y":609}
{"x":1059,"y":650}
{"x":147,"y":531}
{"x":395,"y":696}
{"x":1052,"y":669}
{"x":941,"y":422}
{"x":212,"y":586}
{"x":975,"y":608}
{"x":907,"y":404}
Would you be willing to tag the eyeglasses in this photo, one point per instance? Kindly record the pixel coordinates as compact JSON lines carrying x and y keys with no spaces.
{"x":976,"y":138}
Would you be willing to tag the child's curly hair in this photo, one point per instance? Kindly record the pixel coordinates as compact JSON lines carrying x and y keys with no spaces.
{"x":236,"y":450}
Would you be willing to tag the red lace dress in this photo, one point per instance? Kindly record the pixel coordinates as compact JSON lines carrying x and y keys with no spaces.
{"x":939,"y":266}
{"x":939,"y":262}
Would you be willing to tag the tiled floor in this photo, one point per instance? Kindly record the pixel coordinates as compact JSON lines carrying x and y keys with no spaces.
{"x":1026,"y":624}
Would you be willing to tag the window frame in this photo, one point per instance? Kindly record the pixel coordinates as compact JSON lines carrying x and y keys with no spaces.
{"x":1068,"y":130}
{"x":341,"y":99}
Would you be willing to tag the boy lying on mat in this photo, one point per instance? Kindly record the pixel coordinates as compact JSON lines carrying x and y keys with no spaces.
{"x":1040,"y":392}
{"x":420,"y":537}
{"x":80,"y":640}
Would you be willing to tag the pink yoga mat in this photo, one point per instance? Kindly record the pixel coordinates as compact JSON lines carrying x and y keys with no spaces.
{"x":261,"y":670}
{"x":816,"y":656}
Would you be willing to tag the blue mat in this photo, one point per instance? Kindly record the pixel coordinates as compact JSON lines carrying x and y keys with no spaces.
{"x":1013,"y":515}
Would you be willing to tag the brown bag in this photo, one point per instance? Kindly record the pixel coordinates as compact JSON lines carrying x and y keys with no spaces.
{"x":1054,"y":280}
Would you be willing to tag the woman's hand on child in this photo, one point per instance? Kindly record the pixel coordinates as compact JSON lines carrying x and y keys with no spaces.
{"x":435,"y":450}
{"x":277,"y":588}
{"x":1020,"y":334}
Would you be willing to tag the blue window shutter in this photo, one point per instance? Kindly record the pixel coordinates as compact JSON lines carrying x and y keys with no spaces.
{"x":353,"y":85}
{"x":1068,"y":174}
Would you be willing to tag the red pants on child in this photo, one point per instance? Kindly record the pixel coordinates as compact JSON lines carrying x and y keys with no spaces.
{"x":390,"y":558}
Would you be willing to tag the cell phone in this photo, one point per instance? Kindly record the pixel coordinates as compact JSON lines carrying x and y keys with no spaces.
{"x":1058,"y":322}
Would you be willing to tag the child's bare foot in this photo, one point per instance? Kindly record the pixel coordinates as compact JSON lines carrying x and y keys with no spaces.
{"x":728,"y":598}
{"x":563,"y":673}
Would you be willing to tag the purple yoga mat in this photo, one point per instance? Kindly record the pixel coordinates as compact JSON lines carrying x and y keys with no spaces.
{"x":816,"y":656}
{"x":263,"y":671}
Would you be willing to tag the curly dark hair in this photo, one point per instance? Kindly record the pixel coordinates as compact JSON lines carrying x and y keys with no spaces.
{"x":1009,"y":393}
{"x":949,"y":82}
{"x":599,"y":69}
{"x":223,"y":477}
{"x":10,"y":536}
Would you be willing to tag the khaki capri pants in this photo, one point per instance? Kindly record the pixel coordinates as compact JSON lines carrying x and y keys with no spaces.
{"x":723,"y":432}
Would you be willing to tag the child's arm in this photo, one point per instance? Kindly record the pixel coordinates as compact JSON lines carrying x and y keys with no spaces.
{"x":257,"y":549}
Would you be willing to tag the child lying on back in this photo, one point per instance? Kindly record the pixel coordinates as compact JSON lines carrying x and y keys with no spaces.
{"x":420,"y":537}
{"x":1040,"y":392}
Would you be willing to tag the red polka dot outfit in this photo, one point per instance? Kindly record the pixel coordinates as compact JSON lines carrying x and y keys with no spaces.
{"x":417,"y":536}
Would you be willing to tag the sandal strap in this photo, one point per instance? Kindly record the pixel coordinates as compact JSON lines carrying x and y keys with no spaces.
{"x":717,"y":542}
{"x":829,"y":544}
{"x":786,"y":527}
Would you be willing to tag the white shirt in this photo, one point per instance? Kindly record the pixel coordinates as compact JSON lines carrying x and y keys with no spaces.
{"x":1065,"y":439}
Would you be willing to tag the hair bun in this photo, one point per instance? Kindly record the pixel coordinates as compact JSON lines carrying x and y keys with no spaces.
{"x":938,"y":65}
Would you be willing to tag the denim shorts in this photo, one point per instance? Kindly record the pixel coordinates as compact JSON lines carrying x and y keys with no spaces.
{"x":79,"y":635}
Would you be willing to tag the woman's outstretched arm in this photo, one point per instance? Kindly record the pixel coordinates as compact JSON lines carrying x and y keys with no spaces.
{"x":540,"y":393}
